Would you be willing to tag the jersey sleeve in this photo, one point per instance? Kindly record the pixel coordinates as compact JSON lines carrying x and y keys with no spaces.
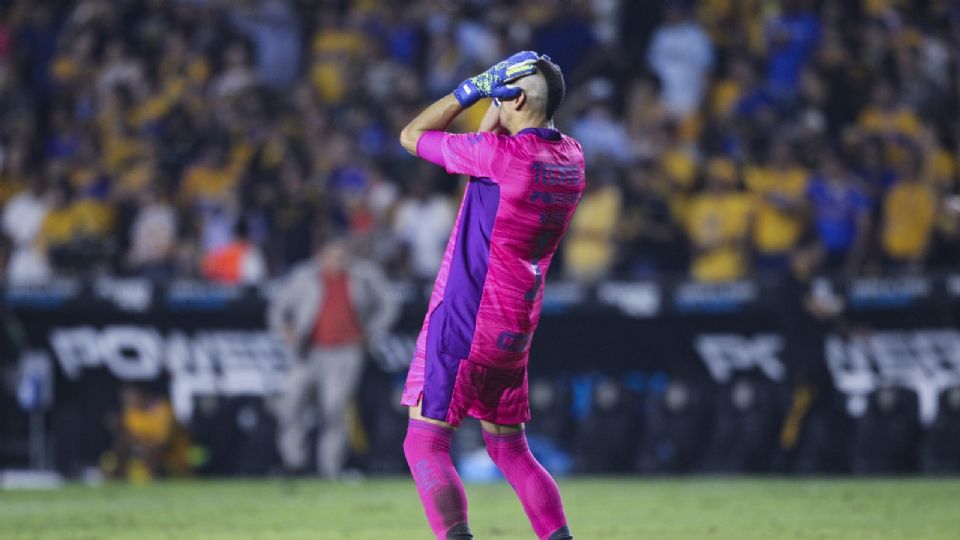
{"x":428,"y":147}
{"x":475,"y":154}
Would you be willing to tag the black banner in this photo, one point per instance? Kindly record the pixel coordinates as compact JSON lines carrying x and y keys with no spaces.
{"x":197,"y":339}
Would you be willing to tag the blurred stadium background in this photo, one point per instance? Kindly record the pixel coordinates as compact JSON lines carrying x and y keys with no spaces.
{"x":762,"y":277}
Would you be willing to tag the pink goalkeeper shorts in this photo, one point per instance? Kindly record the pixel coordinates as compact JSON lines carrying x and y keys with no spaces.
{"x":456,"y":388}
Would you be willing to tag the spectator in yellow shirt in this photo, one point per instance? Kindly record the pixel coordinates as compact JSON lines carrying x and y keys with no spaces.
{"x":779,"y":188}
{"x":335,"y":49}
{"x":727,"y":93}
{"x":909,"y":214}
{"x":149,"y":441}
{"x":896,"y":124}
{"x":61,"y":224}
{"x":211,"y":178}
{"x":73,"y":230}
{"x":590,"y":245}
{"x":886,"y":117}
{"x":718,"y":223}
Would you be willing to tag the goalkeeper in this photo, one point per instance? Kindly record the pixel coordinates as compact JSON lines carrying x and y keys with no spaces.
{"x":526,"y":179}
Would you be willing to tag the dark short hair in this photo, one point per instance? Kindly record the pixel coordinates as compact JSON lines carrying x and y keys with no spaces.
{"x":556,"y":88}
{"x":327,"y":234}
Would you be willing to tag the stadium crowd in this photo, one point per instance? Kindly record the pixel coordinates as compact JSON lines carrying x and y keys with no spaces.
{"x":220,"y":139}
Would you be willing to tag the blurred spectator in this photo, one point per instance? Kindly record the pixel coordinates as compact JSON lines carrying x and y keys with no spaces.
{"x":209,"y":188}
{"x":58,"y":227}
{"x":295,"y":216}
{"x":148,"y":441}
{"x":284,"y":116}
{"x":273,"y":27}
{"x":477,"y":41}
{"x":119,"y":69}
{"x":336,"y":45}
{"x":589,"y":249}
{"x":886,"y":117}
{"x":153,"y":236}
{"x":325,"y":311}
{"x":792,"y":39}
{"x":909,"y":212}
{"x":645,"y":118}
{"x":239,"y":261}
{"x":602,"y":136}
{"x":841,"y":215}
{"x":938,"y":168}
{"x":650,"y":236}
{"x":236,"y":76}
{"x":566,"y":36}
{"x":445,"y":64}
{"x":718,"y":224}
{"x":681,"y":55}
{"x":23,"y":219}
{"x":872,"y":167}
{"x":13,"y":159}
{"x":779,"y":186}
{"x":734,"y":91}
{"x":422,"y":225}
{"x":35,"y":37}
{"x":73,"y":231}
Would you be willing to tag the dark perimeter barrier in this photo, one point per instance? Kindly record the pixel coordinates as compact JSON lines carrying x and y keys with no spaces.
{"x":658,"y":377}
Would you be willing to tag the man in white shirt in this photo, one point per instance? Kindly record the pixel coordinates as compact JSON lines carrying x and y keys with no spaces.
{"x":681,"y":55}
{"x":22,"y":219}
{"x":153,"y":236}
{"x":422,"y":223}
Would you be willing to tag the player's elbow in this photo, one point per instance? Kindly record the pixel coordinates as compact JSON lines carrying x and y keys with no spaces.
{"x":408,"y":139}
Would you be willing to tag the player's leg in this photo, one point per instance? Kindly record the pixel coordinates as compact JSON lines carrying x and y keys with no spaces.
{"x":298,"y":388}
{"x":340,"y":374}
{"x":427,"y":449}
{"x":538,"y":492}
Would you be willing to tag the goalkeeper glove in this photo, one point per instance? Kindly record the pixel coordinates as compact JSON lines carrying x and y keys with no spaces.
{"x":491,"y":82}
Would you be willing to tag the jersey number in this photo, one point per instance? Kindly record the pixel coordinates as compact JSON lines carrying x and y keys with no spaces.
{"x":540,"y":243}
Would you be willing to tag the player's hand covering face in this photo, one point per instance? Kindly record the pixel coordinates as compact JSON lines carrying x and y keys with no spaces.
{"x":506,"y":93}
{"x":491,"y":82}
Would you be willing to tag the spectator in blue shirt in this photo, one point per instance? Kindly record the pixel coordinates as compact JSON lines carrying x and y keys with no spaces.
{"x":792,"y":39}
{"x":840,"y":214}
{"x":567,"y":38}
{"x":871,"y":166}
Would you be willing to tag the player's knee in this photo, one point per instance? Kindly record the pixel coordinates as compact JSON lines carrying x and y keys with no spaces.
{"x":504,"y":446}
{"x":415,"y":444}
{"x":492,"y":450}
{"x":425,"y":439}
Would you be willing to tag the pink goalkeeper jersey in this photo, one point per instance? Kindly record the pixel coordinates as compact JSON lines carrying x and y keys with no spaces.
{"x":520,"y":199}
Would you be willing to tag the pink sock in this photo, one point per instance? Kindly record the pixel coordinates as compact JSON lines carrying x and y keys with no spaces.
{"x":538,"y":492}
{"x":427,"y":449}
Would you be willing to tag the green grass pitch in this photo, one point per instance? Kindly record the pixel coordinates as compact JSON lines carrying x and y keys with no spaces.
{"x":598,"y":509}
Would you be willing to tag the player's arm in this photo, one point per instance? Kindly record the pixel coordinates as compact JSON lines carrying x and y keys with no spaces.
{"x":436,"y":117}
{"x":491,"y":121}
{"x":490,"y":83}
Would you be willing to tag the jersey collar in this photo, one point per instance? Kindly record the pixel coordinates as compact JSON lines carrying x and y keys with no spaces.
{"x":543,"y":133}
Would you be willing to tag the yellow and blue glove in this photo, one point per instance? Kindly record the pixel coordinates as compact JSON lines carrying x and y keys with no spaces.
{"x":491,"y":82}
